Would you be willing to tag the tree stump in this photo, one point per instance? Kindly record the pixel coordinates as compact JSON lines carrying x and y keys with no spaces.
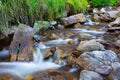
{"x":21,"y":47}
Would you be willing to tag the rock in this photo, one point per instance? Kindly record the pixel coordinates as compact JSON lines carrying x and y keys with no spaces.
{"x":46,"y":53}
{"x":8,"y":77}
{"x":90,"y":46}
{"x":73,"y":19}
{"x":103,"y":10}
{"x":90,"y":75}
{"x":113,"y":14}
{"x":104,"y":70}
{"x":117,"y":43}
{"x":41,"y":25}
{"x":85,"y":36}
{"x":96,"y":18}
{"x":59,"y":26}
{"x":115,"y":74}
{"x":116,"y":22}
{"x":95,"y":10}
{"x":105,"y":17}
{"x":52,"y":36}
{"x":37,"y":37}
{"x":21,"y":47}
{"x":77,"y":25}
{"x":94,"y":59}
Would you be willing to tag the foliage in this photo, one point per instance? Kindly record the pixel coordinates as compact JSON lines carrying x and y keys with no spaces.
{"x":29,"y":11}
{"x":103,"y":2}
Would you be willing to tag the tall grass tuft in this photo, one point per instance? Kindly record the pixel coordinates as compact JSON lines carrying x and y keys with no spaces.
{"x":28,"y":11}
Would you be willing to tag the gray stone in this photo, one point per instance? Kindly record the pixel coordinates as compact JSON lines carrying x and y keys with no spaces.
{"x":94,"y":59}
{"x":90,"y":46}
{"x":104,"y":70}
{"x":115,"y":74}
{"x":90,"y":75}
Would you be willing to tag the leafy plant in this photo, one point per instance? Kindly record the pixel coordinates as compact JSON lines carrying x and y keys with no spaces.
{"x":103,"y":2}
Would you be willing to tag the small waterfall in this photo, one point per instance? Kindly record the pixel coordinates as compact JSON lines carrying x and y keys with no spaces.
{"x":21,"y":69}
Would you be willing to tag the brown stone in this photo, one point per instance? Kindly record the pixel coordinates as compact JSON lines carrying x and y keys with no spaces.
{"x":73,"y":19}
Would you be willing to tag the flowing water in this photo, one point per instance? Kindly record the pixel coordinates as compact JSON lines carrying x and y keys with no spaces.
{"x":22,"y":69}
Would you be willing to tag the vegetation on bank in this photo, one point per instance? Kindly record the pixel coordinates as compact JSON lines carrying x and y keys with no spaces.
{"x":97,"y":3}
{"x":28,"y":11}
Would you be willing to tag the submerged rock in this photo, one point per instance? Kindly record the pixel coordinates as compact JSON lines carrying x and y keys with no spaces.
{"x":94,"y":59}
{"x":90,"y":46}
{"x":90,"y":75}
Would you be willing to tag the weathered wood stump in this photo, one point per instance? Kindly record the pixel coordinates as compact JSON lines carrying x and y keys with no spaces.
{"x":21,"y":47}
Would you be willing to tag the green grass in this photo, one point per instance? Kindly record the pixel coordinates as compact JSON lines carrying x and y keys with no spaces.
{"x":28,"y":11}
{"x":97,"y":3}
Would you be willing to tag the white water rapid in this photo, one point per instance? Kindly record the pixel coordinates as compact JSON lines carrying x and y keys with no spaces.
{"x":22,"y":69}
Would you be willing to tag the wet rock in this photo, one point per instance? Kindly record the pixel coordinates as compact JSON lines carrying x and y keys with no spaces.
{"x":90,"y":75}
{"x":117,"y":43}
{"x":104,"y":70}
{"x":115,"y":74}
{"x":116,"y":22}
{"x":90,"y":46}
{"x":21,"y":47}
{"x":85,"y":36}
{"x":94,"y":59}
{"x":73,"y":19}
{"x":46,"y":53}
{"x":96,"y":18}
{"x":59,"y":26}
{"x":95,"y":10}
{"x":105,"y":17}
{"x":8,"y":77}
{"x":77,"y":25}
{"x":113,"y":14}
{"x":52,"y":36}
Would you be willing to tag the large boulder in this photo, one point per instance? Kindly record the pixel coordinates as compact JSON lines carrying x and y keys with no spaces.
{"x":94,"y":59}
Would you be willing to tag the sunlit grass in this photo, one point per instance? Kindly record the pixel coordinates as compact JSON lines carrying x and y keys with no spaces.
{"x":28,"y":11}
